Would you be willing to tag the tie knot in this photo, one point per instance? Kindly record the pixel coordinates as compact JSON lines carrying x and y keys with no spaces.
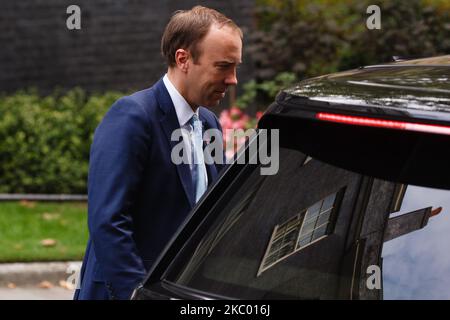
{"x":194,"y":118}
{"x":194,"y":121}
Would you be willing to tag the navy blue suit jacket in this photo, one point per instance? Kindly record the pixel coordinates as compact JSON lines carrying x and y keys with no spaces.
{"x":137,"y":198}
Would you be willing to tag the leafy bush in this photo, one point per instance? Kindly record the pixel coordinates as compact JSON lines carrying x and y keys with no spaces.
{"x":45,"y":141}
{"x":304,"y":41}
{"x":265,"y":91}
{"x":315,"y":38}
{"x":408,"y":29}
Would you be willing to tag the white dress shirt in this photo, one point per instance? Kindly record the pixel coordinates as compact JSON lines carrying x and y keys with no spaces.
{"x":184,"y":114}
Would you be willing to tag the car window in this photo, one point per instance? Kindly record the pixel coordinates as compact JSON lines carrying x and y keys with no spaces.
{"x":416,"y":265}
{"x":316,"y":231}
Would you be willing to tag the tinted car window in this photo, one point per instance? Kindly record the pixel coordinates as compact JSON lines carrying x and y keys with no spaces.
{"x":416,"y":265}
{"x":316,"y":231}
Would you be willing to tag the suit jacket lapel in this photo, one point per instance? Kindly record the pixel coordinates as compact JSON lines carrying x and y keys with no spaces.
{"x":169,"y":123}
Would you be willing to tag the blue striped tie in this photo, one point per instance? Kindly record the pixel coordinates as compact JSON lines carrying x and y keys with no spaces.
{"x":198,"y":171}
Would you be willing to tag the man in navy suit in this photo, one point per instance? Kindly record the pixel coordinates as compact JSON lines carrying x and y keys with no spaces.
{"x":137,"y":196}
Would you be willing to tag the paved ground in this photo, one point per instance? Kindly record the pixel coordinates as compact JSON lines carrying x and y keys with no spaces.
{"x":38,"y":281}
{"x":34,"y":293}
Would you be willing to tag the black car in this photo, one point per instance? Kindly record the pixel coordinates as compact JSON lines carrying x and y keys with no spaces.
{"x":359,"y":207}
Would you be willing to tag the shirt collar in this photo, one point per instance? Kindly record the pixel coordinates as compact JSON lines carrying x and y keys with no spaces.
{"x":182,"y":108}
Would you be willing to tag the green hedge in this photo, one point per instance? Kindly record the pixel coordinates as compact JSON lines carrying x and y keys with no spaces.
{"x":45,"y":141}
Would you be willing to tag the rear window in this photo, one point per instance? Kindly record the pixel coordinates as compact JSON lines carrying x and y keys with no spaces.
{"x":416,"y":263}
{"x":316,"y":231}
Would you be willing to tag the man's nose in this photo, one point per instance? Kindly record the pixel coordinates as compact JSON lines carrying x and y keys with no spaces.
{"x":231,"y":78}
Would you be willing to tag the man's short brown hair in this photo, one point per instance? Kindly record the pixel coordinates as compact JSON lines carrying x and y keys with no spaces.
{"x":187,"y":28}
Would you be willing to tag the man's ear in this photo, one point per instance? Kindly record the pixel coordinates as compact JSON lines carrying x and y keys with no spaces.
{"x":182,"y":58}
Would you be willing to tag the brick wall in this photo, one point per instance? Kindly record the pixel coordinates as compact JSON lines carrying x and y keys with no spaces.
{"x":117,"y":47}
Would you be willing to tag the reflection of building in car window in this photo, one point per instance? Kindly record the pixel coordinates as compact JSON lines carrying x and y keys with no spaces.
{"x":307,"y":227}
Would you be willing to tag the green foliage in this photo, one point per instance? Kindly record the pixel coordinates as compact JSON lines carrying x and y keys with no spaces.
{"x":409,"y":29}
{"x":266,"y":90}
{"x":304,"y":40}
{"x":315,"y":38}
{"x":312,"y":38}
{"x":45,"y":141}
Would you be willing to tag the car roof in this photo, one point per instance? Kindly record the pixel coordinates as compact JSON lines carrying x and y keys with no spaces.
{"x":419,"y":88}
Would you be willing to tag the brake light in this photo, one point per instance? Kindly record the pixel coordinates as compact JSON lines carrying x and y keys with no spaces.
{"x":380,"y":123}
